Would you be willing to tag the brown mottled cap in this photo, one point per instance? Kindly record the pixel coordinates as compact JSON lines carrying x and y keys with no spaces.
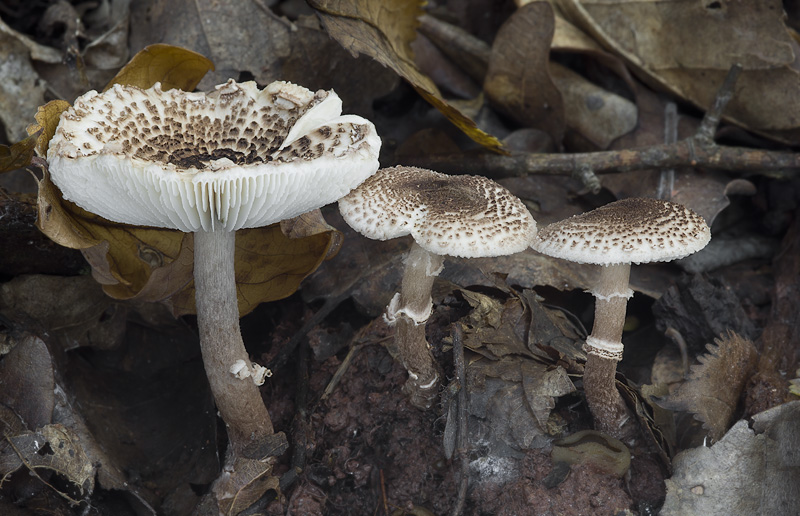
{"x":634,"y":230}
{"x":233,"y":158}
{"x":465,"y":216}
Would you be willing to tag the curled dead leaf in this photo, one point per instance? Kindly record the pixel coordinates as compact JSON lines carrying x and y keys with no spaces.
{"x":173,"y":67}
{"x":19,"y":154}
{"x":515,"y":394}
{"x":526,"y":93}
{"x":55,"y":448}
{"x":384,"y":32}
{"x":46,"y":122}
{"x":310,"y":224}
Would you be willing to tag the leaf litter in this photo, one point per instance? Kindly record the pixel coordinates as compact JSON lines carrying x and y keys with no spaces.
{"x":365,"y":448}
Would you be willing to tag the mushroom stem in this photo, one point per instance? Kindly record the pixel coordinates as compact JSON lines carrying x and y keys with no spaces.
{"x":238,"y":400}
{"x":604,"y":348}
{"x":411,"y":310}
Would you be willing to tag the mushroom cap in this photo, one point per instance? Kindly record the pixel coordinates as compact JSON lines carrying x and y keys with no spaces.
{"x":236,"y":157}
{"x":635,"y":230}
{"x":464,"y":216}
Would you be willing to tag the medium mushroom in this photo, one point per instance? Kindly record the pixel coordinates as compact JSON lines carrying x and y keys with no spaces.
{"x":210,"y":164}
{"x":635,"y":230}
{"x":460,"y":216}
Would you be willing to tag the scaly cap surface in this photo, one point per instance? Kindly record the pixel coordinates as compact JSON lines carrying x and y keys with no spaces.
{"x":464,"y":216}
{"x":635,"y":230}
{"x":236,"y":157}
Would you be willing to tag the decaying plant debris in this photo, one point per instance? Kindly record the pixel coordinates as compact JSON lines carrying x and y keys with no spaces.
{"x":104,"y":405}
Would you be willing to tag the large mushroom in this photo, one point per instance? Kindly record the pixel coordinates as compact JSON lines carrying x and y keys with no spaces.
{"x":460,"y":216}
{"x":635,"y":230}
{"x":210,"y":164}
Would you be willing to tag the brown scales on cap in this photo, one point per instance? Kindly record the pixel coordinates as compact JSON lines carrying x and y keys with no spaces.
{"x":635,"y":230}
{"x":175,"y":127}
{"x":465,"y":216}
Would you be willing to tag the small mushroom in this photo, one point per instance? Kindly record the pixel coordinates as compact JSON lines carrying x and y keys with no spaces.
{"x":210,"y":164}
{"x":461,"y":216}
{"x":628,"y":231}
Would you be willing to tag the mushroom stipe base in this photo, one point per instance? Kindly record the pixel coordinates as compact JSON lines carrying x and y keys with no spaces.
{"x":238,"y":400}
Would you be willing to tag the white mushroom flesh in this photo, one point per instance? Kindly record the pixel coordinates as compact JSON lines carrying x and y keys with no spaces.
{"x":234,"y":158}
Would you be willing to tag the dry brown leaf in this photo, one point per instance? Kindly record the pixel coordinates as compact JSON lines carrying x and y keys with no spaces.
{"x":46,"y":121}
{"x":37,"y":51}
{"x":153,"y":264}
{"x":130,"y":253}
{"x":237,"y":36}
{"x":714,"y":386}
{"x":56,"y":448}
{"x":26,"y":374}
{"x":310,"y":224}
{"x":318,"y":62}
{"x":384,"y":31}
{"x":520,"y":326}
{"x":249,"y":481}
{"x":17,"y":155}
{"x":688,"y":48}
{"x":72,"y":308}
{"x":526,"y":93}
{"x":568,"y":37}
{"x":173,"y":67}
{"x":494,"y":328}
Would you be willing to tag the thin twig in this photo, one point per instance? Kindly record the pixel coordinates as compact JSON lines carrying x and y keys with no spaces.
{"x":679,"y":341}
{"x":383,"y":494}
{"x":337,"y":376}
{"x":679,"y":154}
{"x":697,"y":151}
{"x":300,"y":423}
{"x":708,"y":127}
{"x":330,"y":304}
{"x":288,"y":349}
{"x":667,"y":182}
{"x":462,"y":447}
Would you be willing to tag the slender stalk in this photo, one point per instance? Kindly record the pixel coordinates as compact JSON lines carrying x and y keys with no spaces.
{"x":238,"y":400}
{"x":411,"y":312}
{"x":605,"y":403}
